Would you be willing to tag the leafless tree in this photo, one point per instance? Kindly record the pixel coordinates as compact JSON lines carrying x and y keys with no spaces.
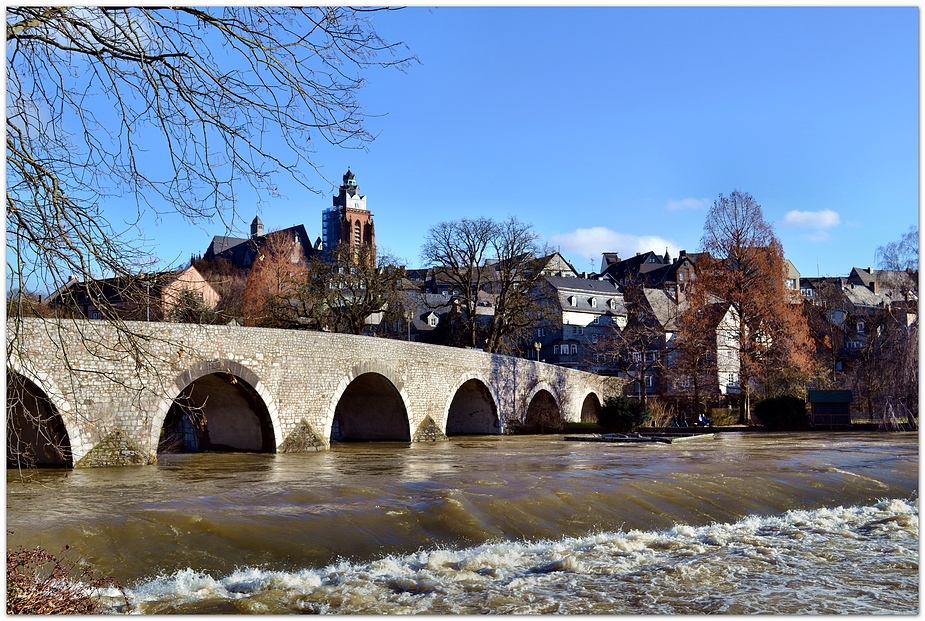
{"x":167,"y":110}
{"x":637,"y":350}
{"x":229,"y":282}
{"x":746,"y":269}
{"x":901,"y":254}
{"x":458,"y":252}
{"x":501,"y":259}
{"x":274,"y":283}
{"x":888,"y":374}
{"x":170,"y":108}
{"x":343,"y":294}
{"x":518,"y":270}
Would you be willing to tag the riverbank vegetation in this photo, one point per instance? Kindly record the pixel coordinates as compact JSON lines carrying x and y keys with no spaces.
{"x":39,"y":583}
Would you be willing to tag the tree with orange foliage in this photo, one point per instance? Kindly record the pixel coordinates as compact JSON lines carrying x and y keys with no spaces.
{"x":274,"y":284}
{"x":745,"y":268}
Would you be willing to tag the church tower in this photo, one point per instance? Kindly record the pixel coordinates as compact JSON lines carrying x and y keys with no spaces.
{"x":348,"y":221}
{"x":256,"y":228}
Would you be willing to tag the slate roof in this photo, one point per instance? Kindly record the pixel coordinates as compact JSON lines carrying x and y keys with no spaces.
{"x":665,"y":308}
{"x":584,"y":289}
{"x":241,"y":251}
{"x":221,"y":243}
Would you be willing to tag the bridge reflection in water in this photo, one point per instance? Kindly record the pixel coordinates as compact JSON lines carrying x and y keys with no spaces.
{"x":81,"y":393}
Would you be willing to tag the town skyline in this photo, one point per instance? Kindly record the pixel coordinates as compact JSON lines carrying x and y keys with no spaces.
{"x":620,"y":143}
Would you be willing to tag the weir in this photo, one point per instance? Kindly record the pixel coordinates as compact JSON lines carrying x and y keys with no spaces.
{"x":84,"y":393}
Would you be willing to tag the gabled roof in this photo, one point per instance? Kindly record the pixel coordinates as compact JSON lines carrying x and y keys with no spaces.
{"x":555,"y":264}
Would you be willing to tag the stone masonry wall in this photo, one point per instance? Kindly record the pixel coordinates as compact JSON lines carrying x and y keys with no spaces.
{"x":104,"y":382}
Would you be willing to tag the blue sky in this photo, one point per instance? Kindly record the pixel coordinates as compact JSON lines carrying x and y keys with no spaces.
{"x":613,"y":129}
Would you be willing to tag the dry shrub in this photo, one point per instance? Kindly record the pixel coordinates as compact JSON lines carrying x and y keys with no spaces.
{"x":661,"y":414}
{"x":37,"y":583}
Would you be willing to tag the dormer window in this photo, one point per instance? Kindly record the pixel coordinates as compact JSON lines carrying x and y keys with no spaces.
{"x":572,"y":300}
{"x":593,"y":302}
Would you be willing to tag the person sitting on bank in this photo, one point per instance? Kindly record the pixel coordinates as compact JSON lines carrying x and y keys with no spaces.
{"x":703,"y":421}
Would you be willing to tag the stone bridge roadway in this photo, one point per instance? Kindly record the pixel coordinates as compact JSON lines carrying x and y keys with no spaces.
{"x":119,"y":397}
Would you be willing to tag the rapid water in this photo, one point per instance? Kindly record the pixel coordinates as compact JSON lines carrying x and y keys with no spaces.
{"x":743,"y":523}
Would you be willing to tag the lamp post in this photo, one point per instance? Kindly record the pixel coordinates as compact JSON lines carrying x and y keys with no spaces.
{"x":409,"y":316}
{"x":538,"y":346}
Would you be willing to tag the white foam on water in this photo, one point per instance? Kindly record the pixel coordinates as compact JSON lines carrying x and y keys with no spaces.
{"x":859,"y":560}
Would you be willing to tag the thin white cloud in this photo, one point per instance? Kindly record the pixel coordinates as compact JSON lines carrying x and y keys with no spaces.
{"x":688,"y":203}
{"x":815,"y":237}
{"x":819,"y":220}
{"x":584,"y":247}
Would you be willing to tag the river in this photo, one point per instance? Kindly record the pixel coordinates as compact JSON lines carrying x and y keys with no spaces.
{"x":742,"y":523}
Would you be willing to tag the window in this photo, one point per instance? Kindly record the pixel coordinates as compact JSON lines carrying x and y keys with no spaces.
{"x":680,"y":276}
{"x":578,"y":330}
{"x":838,"y":365}
{"x":574,"y":349}
{"x":572,"y":300}
{"x":596,"y":320}
{"x":593,"y":302}
{"x":432,"y":321}
{"x":357,"y":236}
{"x":636,"y":356}
{"x":861,"y":327}
{"x":555,"y":349}
{"x":541,"y":332}
{"x":594,"y":338}
{"x":650,"y":381}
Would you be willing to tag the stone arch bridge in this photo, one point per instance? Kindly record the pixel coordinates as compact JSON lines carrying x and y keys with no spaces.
{"x":107,"y":396}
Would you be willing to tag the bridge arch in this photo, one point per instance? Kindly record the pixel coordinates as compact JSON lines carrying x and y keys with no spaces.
{"x":472,"y":407}
{"x":36,"y":432}
{"x":369,"y":403}
{"x":240,"y":412}
{"x":590,"y":408}
{"x":543,"y":408}
{"x":59,"y":406}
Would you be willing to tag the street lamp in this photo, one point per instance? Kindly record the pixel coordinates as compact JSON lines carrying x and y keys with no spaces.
{"x":409,"y":316}
{"x":538,"y":346}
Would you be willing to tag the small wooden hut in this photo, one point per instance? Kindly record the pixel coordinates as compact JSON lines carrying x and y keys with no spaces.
{"x":830,"y":407}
